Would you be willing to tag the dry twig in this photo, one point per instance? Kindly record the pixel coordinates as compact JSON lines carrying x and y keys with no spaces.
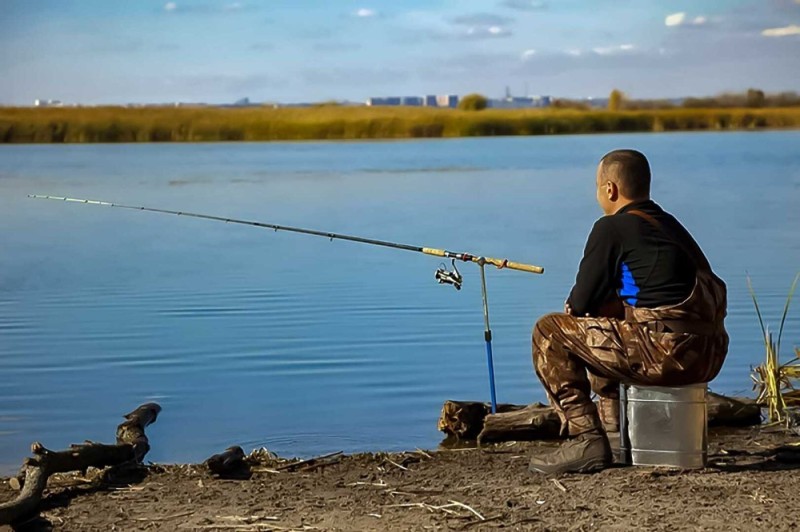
{"x":404,"y":468}
{"x":249,"y":519}
{"x":381,"y":484}
{"x":447,"y":508}
{"x":462,"y":505}
{"x":165,"y":518}
{"x":309,"y":461}
{"x":423,"y":453}
{"x":265,"y":470}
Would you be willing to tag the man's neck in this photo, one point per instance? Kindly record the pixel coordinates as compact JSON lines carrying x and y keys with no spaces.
{"x":627,"y":202}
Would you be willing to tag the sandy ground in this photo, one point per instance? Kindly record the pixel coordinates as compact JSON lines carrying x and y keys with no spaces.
{"x":750,"y":484}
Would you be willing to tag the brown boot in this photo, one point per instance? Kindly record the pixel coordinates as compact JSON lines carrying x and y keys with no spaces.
{"x":609,"y":413}
{"x":586,"y":453}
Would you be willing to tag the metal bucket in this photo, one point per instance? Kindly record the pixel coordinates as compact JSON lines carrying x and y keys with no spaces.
{"x":664,"y":425}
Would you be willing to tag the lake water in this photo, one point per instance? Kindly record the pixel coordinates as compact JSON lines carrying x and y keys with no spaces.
{"x":250,"y":337}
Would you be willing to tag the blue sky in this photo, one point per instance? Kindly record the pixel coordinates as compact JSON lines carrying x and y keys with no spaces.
{"x":93,"y":51}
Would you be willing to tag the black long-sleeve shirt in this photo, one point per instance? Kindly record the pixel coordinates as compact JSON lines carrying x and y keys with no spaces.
{"x":628,"y":256}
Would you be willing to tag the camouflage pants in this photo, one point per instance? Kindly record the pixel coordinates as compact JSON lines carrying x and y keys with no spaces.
{"x":575,"y":356}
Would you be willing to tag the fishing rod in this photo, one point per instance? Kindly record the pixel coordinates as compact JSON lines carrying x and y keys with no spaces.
{"x":466,"y":257}
{"x":442,"y":275}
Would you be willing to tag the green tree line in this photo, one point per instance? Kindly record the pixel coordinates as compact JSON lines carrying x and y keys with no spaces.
{"x":750,"y":99}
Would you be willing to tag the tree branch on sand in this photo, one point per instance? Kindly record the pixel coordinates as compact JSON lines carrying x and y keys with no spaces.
{"x":131,"y":447}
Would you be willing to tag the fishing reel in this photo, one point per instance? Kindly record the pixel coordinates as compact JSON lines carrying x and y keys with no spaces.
{"x":445,"y":276}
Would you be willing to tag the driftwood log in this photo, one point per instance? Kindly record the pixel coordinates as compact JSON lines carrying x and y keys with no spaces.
{"x":469,"y":420}
{"x":131,"y":447}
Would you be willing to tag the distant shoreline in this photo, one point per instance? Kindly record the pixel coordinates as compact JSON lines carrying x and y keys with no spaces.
{"x":166,"y":124}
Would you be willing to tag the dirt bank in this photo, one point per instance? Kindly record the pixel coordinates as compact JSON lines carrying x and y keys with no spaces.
{"x":751,"y":483}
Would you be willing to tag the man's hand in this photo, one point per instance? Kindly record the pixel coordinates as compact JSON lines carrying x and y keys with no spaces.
{"x":568,"y":309}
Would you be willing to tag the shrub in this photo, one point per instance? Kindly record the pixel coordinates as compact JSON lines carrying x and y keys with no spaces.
{"x":473,"y":102}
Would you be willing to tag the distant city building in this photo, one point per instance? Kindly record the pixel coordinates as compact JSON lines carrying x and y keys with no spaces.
{"x":412,"y":100}
{"x":520,"y":102}
{"x":391,"y":100}
{"x":47,"y":103}
{"x":447,"y":100}
{"x":430,"y":100}
{"x":241,"y":102}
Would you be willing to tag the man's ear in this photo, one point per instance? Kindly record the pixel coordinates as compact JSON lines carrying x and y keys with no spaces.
{"x":612,"y":191}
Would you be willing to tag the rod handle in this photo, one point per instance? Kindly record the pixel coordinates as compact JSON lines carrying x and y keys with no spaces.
{"x":500,"y":263}
{"x":435,"y":252}
{"x":504,"y":263}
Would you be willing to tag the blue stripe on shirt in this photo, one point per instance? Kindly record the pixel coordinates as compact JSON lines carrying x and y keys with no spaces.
{"x":629,"y":290}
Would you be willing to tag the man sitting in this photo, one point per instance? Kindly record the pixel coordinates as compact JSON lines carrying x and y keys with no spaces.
{"x":645,"y":309}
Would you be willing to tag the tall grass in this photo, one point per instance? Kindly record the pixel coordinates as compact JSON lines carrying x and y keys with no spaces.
{"x":199,"y":124}
{"x":774,"y":381}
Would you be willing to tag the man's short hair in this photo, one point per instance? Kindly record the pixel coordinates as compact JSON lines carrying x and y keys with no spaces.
{"x":630,"y":170}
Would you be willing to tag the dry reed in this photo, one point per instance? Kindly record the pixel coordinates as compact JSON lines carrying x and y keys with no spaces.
{"x":776,"y":382}
{"x":207,"y":124}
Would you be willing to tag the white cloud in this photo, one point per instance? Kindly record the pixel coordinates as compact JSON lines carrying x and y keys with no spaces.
{"x":675,"y":19}
{"x":170,"y":6}
{"x":481,"y":25}
{"x":527,"y":54}
{"x":435,"y":26}
{"x":487,"y":32}
{"x":574,"y":52}
{"x":792,"y":29}
{"x":365,"y":12}
{"x":611,"y":50}
{"x":680,"y":19}
{"x":234,"y":6}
